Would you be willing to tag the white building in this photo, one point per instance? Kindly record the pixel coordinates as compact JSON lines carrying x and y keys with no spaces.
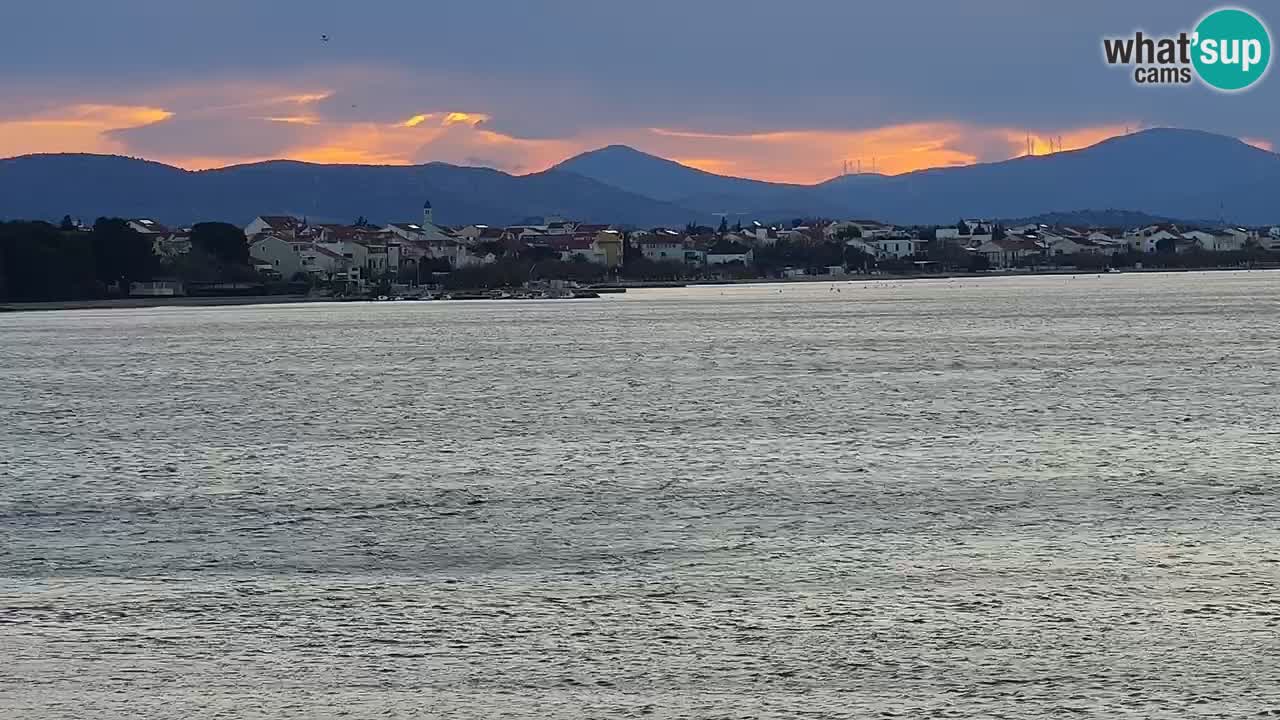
{"x":1148,"y":239}
{"x":282,"y":255}
{"x":283,"y":226}
{"x":862,"y":246}
{"x":663,"y":246}
{"x":1009,"y":251}
{"x":725,"y":253}
{"x":324,"y":263}
{"x":1065,"y":245}
{"x":426,"y":229}
{"x":896,"y":247}
{"x":452,"y":251}
{"x":758,"y":234}
{"x":866,"y":229}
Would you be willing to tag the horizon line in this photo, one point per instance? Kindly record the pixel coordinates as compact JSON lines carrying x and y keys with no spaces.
{"x":557,"y":165}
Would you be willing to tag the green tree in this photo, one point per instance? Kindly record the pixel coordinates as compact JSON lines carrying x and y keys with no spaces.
{"x":40,"y":262}
{"x":121,"y":254}
{"x":223,"y":241}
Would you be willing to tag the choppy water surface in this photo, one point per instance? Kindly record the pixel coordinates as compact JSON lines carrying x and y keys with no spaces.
{"x":1008,"y":498}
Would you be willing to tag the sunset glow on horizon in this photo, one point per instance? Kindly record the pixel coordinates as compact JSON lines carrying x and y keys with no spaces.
{"x":801,"y":156}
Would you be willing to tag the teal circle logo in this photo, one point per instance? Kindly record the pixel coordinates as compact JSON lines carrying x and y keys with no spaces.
{"x":1232,"y":49}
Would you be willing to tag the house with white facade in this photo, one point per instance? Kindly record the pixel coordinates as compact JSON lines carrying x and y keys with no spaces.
{"x":455,"y":252}
{"x":283,"y":256}
{"x":663,"y":246}
{"x":1009,"y":251}
{"x":976,"y":232}
{"x":282,"y":226}
{"x":324,"y":263}
{"x":418,"y":232}
{"x":1217,"y":240}
{"x":1241,"y":236}
{"x":574,"y":247}
{"x":1228,"y":241}
{"x":725,"y":252}
{"x":760,"y":235}
{"x":1149,"y":239}
{"x":1063,"y":244}
{"x":1105,"y":244}
{"x":863,"y":246}
{"x":865,"y":229}
{"x":896,"y":246}
{"x":602,"y":247}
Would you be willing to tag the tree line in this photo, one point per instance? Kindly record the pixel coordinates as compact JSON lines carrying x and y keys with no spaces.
{"x":42,"y":261}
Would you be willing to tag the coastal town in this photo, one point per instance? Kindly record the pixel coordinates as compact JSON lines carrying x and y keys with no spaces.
{"x":290,"y":247}
{"x":558,"y":257}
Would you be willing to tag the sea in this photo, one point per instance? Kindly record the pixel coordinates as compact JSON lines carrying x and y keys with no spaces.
{"x":1007,"y":497}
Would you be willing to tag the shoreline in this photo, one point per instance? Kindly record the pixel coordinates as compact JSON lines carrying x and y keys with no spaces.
{"x":603,"y":288}
{"x":154,"y":302}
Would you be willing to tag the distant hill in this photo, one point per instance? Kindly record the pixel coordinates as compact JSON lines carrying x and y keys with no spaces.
{"x":1161,"y":172}
{"x":662,"y":179}
{"x":1169,"y":173}
{"x":1164,"y":173}
{"x":659,"y":178}
{"x":88,"y":186}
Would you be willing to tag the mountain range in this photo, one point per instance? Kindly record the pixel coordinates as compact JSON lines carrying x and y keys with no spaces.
{"x":1160,"y":172}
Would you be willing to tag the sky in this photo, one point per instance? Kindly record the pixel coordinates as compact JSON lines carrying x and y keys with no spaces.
{"x":783,"y":91}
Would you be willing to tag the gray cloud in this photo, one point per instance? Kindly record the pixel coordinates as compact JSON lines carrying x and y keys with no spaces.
{"x":559,"y":67}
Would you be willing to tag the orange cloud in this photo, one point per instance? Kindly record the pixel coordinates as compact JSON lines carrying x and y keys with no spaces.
{"x":295,"y":119}
{"x":455,"y":137}
{"x":809,"y":156}
{"x":465,"y":138}
{"x":77,"y":128}
{"x":797,"y":156}
{"x":802,"y":156}
{"x":472,"y":119}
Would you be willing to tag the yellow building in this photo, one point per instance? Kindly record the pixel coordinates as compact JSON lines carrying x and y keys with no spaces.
{"x":609,"y":244}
